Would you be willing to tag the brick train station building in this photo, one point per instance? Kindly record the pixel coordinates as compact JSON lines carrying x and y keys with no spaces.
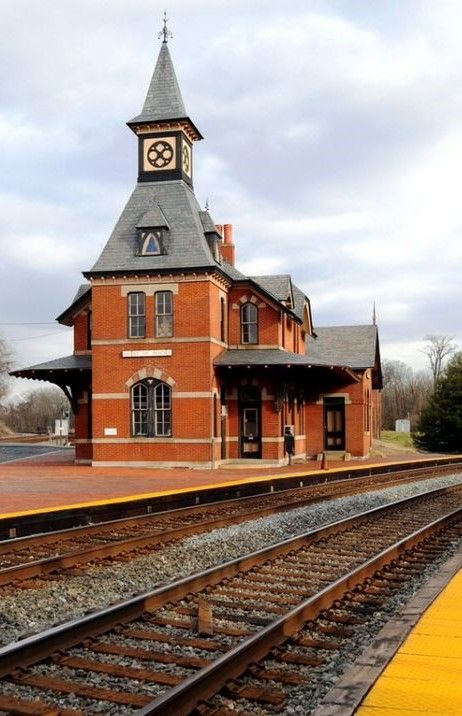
{"x":180,"y":359}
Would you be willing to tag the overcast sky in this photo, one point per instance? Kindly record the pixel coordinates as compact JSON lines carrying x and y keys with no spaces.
{"x":333,"y":143}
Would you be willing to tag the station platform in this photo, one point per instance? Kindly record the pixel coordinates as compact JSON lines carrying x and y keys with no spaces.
{"x":51,"y":481}
{"x":414,"y":665}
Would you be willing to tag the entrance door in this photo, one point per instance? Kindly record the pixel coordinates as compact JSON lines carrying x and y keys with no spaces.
{"x":250,"y":422}
{"x":334,"y":423}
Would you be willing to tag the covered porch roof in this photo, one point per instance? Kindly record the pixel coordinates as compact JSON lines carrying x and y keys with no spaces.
{"x":68,"y":372}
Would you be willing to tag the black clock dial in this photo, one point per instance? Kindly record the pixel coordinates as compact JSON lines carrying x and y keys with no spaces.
{"x":160,"y":154}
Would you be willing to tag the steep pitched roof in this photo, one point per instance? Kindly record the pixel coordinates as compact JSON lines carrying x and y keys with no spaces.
{"x":82,"y":296}
{"x":352,"y":346}
{"x":185,"y":243}
{"x":163,"y":100}
{"x":299,"y":302}
{"x":278,"y":285}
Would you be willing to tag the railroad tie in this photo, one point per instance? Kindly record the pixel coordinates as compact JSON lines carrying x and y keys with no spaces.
{"x":204,"y":618}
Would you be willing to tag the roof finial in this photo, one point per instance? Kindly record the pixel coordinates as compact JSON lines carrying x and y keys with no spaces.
{"x":374,"y":315}
{"x":207,"y":204}
{"x":165,"y":32}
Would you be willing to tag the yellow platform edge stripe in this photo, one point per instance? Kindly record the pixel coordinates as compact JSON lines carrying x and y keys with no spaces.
{"x":219,"y":485}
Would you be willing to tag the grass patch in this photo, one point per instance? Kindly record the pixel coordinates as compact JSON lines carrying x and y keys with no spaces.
{"x":402,"y":439}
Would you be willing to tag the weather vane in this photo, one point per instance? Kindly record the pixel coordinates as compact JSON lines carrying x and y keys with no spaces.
{"x":165,"y":32}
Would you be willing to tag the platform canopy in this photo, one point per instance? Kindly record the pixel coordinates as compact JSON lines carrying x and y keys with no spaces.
{"x":70,"y":373}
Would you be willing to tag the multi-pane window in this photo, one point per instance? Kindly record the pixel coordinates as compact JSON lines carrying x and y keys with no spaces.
{"x":140,"y":409}
{"x":249,"y":323}
{"x":164,"y":314}
{"x":136,"y":315}
{"x":151,"y":409}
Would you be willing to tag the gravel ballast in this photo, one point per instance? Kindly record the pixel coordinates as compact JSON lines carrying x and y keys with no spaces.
{"x":27,"y":611}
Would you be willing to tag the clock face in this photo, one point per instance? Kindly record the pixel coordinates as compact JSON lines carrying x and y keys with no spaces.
{"x":159,"y":154}
{"x":186,"y":156}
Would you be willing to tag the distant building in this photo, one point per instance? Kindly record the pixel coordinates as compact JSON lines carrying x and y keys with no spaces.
{"x":179,"y":358}
{"x":403,"y":425}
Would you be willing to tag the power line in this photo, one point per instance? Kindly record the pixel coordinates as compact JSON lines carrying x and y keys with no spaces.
{"x":31,"y":323}
{"x":30,"y":338}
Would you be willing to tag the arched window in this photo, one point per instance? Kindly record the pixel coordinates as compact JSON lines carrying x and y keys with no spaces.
{"x":150,"y":242}
{"x":151,"y":409}
{"x":249,"y":323}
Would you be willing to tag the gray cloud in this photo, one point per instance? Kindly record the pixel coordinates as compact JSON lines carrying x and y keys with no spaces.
{"x":332,"y":142}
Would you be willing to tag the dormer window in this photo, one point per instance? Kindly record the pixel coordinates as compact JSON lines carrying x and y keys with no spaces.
{"x":150,"y":242}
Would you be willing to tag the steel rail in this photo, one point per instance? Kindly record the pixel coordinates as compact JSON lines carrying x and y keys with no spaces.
{"x":37,"y":647}
{"x":182,"y":699}
{"x":72,"y":558}
{"x":12,"y":526}
{"x":57,"y":535}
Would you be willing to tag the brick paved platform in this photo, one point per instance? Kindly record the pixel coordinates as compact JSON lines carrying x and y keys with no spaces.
{"x":51,"y":480}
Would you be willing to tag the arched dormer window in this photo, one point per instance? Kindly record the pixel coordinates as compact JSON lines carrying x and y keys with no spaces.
{"x":151,"y":408}
{"x":249,"y":323}
{"x":150,"y":242}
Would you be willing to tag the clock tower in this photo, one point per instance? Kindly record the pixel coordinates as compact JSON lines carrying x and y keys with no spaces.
{"x":165,"y":132}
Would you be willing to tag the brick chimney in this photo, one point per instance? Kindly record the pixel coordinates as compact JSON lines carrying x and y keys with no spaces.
{"x":227,"y":248}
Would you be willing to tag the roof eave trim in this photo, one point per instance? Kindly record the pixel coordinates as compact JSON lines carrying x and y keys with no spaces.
{"x":65,"y":317}
{"x":210,"y":268}
{"x":139,"y":121}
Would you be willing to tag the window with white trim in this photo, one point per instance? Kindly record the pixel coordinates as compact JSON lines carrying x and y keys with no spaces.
{"x":249,"y":323}
{"x":151,"y":407}
{"x":164,"y":314}
{"x":136,"y":315}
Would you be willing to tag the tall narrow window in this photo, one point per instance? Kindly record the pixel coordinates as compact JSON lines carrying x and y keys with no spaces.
{"x":151,"y":409}
{"x":249,"y":323}
{"x":140,"y":409}
{"x":136,"y":315}
{"x":164,"y":314}
{"x":162,"y":410}
{"x":89,"y":329}
{"x":222,"y":320}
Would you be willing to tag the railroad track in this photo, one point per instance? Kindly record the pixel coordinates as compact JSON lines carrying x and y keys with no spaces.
{"x":248,"y":630}
{"x":35,"y":556}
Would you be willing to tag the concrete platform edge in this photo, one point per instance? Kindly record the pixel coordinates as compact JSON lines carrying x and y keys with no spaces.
{"x":346,"y":696}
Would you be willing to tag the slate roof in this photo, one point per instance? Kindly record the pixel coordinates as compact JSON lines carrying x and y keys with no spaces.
{"x":67,"y":363}
{"x":163,"y":100}
{"x":352,"y":346}
{"x":279,"y":286}
{"x":185,"y":243}
{"x":207,"y":223}
{"x":83,"y":292}
{"x":260,"y":356}
{"x":299,"y":301}
{"x":153,"y":218}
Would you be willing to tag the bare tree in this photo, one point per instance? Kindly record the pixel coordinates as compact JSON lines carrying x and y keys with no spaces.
{"x":405,"y":393}
{"x":437,"y":349}
{"x":36,"y":411}
{"x":5,"y":365}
